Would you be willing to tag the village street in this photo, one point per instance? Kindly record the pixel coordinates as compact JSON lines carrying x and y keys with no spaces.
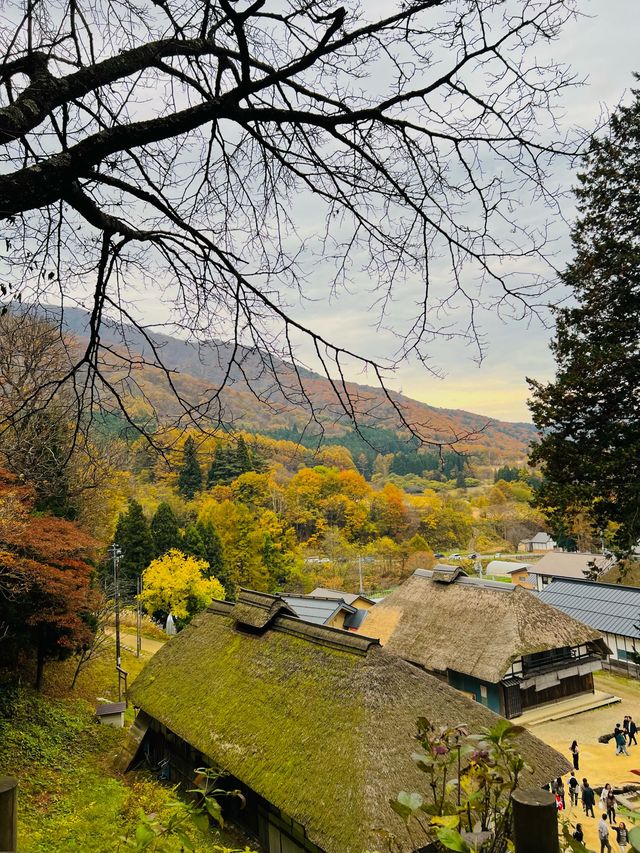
{"x":598,"y":762}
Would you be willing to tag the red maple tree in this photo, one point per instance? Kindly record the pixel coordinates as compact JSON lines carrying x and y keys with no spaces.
{"x":45,"y":578}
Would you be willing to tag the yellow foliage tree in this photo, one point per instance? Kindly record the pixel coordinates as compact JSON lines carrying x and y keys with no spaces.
{"x":177,"y":584}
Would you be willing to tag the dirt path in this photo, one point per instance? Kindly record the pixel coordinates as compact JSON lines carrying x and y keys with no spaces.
{"x":128,"y":640}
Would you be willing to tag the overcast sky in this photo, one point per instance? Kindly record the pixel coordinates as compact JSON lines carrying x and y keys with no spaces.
{"x":603,"y":48}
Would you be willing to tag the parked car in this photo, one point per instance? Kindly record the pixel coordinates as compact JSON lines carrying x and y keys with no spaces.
{"x":438,"y":556}
{"x":455,"y":557}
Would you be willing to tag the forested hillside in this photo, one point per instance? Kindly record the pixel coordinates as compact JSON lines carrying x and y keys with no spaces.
{"x":251,"y":401}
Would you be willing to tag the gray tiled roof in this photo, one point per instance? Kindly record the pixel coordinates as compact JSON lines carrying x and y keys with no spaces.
{"x":611,"y":608}
{"x":316,"y":610}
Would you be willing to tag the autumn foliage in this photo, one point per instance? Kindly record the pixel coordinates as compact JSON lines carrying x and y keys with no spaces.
{"x":45,"y":575}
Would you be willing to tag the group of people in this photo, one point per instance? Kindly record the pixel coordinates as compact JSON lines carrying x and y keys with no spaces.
{"x":622,"y":734}
{"x":625,"y":733}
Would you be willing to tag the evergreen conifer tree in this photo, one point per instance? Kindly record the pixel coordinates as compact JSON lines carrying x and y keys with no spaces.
{"x":214,"y":555}
{"x":589,"y":415}
{"x":192,"y":544}
{"x":164,"y":527}
{"x":242,"y":457}
{"x":221,"y":468}
{"x":133,"y":535}
{"x":190,"y":477}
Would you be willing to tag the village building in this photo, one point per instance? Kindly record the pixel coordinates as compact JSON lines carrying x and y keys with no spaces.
{"x":322,"y":610}
{"x":559,"y":564}
{"x":611,"y":608}
{"x":494,"y":641}
{"x":355,"y":599}
{"x":509,"y":569}
{"x":539,"y":542}
{"x":314,"y":725}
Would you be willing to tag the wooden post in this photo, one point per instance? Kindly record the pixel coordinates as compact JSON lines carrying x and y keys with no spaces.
{"x":535,"y":822}
{"x":8,"y":814}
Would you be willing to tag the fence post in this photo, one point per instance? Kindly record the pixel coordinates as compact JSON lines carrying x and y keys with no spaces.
{"x":8,"y":814}
{"x":535,"y":822}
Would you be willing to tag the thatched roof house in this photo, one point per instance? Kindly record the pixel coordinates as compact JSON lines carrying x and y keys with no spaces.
{"x":494,"y":640}
{"x":315,"y":723}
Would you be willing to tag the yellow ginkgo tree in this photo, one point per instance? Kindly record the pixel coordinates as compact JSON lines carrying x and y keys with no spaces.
{"x":177,"y":584}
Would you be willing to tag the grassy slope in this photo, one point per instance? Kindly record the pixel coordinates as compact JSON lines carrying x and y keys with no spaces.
{"x":70,"y":799}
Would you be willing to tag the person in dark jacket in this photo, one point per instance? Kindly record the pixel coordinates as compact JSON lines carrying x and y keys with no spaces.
{"x":573,"y":788}
{"x":578,"y":834}
{"x":632,"y":732}
{"x":588,"y":798}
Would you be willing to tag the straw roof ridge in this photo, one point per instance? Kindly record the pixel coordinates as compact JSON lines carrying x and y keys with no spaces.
{"x":323,"y":732}
{"x":472,"y":627}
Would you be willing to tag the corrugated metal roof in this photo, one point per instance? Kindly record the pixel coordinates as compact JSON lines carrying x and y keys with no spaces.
{"x":611,"y":608}
{"x":316,"y":610}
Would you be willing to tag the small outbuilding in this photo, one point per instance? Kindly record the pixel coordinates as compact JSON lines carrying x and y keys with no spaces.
{"x":314,"y":725}
{"x":111,"y":713}
{"x":494,"y":641}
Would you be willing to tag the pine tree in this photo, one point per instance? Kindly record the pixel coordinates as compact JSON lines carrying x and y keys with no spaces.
{"x":590,"y":414}
{"x":221,"y":468}
{"x":191,"y":543}
{"x":164,"y":527}
{"x":133,"y":535}
{"x":190,"y":477}
{"x":242,"y":457}
{"x":214,"y":555}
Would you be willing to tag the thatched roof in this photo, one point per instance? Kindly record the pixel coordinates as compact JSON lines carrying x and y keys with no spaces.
{"x":317,"y":721}
{"x":471,"y":626}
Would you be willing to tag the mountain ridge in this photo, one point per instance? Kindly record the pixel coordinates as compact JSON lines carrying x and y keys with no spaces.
{"x":252,"y":401}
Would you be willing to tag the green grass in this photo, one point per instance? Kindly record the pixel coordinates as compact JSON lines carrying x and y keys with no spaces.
{"x":70,"y":799}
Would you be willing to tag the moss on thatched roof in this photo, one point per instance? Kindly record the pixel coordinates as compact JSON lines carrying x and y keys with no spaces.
{"x":475,"y":627}
{"x":317,"y":721}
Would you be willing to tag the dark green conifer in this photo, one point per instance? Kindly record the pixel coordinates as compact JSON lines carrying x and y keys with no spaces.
{"x":589,"y":415}
{"x":192,"y":544}
{"x":190,"y":477}
{"x":133,"y":535}
{"x":164,"y":527}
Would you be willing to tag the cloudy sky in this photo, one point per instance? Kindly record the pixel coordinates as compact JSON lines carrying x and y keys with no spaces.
{"x":602,"y":48}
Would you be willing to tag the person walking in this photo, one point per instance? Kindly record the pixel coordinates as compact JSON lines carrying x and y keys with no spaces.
{"x":610,"y":804}
{"x":575,"y":755}
{"x":603,"y":834}
{"x":588,"y":798}
{"x":621,"y":743}
{"x":560,"y":791}
{"x":578,"y":834}
{"x":622,"y":836}
{"x":632,"y":732}
{"x":625,"y":726}
{"x":573,"y":789}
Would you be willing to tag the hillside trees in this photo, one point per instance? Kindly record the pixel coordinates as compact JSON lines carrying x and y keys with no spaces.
{"x":259,"y":118}
{"x":45,"y":574}
{"x":134,"y":537}
{"x":589,"y":414}
{"x":44,"y":435}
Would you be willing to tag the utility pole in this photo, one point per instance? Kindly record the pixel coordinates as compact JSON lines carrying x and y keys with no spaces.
{"x":116,"y":553}
{"x":360,"y":587}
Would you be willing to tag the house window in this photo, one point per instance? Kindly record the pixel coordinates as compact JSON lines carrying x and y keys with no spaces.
{"x":484,"y":700}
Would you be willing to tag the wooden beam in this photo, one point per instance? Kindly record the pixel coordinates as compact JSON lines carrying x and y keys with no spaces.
{"x":8,"y":814}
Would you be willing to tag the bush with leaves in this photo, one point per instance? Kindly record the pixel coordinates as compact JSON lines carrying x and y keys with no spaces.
{"x":470,"y":779}
{"x":160,"y":835}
